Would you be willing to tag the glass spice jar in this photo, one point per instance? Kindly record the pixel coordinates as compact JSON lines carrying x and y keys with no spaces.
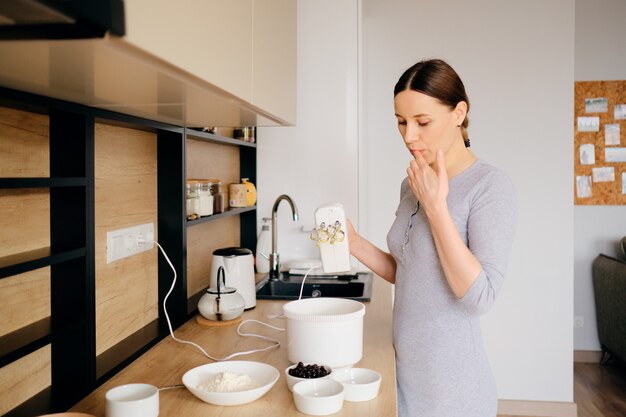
{"x":192,"y":200}
{"x":218,"y":196}
{"x":205,"y":194}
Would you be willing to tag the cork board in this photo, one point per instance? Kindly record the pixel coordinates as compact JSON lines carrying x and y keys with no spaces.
{"x":599,"y":166}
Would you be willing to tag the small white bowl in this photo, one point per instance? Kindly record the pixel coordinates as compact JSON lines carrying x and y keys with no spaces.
{"x":265,"y":375}
{"x":360,"y":384}
{"x":132,"y":400}
{"x":293,"y":380}
{"x":318,"y":397}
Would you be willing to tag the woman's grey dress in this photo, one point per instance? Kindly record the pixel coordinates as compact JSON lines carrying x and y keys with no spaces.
{"x":441,"y":366}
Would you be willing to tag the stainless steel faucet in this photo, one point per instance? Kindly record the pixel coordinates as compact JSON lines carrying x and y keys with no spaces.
{"x":274,"y":258}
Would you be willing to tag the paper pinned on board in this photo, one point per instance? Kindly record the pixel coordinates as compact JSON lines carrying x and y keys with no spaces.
{"x":587,"y":154}
{"x":603,"y":174}
{"x":583,"y":186}
{"x":596,"y":105}
{"x":611,"y":134}
{"x":614,"y":154}
{"x":619,"y":112}
{"x":588,"y":124}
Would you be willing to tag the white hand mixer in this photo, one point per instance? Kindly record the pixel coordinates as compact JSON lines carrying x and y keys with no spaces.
{"x":330,"y":234}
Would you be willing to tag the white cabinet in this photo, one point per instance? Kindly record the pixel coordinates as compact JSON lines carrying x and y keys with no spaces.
{"x":247,"y":48}
{"x":210,"y":39}
{"x":190,"y":62}
{"x":275,"y":57}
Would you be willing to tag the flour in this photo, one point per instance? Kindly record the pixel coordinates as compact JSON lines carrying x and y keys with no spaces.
{"x":228,"y":382}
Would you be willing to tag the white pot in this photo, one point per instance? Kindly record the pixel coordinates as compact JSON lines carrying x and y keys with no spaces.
{"x":325,"y":331}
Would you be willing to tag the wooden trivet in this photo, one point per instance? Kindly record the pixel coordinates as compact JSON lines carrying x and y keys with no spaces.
{"x":214,"y":323}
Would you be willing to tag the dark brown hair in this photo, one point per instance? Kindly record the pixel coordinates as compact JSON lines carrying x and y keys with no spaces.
{"x":436,"y":79}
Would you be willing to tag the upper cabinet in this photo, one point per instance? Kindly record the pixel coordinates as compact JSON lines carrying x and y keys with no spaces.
{"x":210,"y":39}
{"x":274,"y":57}
{"x":192,"y":63}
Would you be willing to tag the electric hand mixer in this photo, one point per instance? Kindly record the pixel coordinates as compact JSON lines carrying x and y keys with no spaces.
{"x":331,"y":236}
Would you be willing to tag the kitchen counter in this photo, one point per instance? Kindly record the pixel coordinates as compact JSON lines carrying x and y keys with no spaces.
{"x":165,"y":364}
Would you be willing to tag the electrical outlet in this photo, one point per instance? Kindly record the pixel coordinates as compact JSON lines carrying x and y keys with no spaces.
{"x":579,"y":321}
{"x":130,"y":241}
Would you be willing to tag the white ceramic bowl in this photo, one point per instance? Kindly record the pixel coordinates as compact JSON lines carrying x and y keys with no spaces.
{"x":360,"y":384}
{"x":132,"y":400}
{"x":293,"y":380}
{"x":265,"y":375}
{"x":312,"y":322}
{"x":318,"y":397}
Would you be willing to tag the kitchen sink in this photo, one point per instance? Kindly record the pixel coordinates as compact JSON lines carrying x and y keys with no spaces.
{"x":354,"y":286}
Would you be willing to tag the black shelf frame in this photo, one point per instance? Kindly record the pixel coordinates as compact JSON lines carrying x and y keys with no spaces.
{"x":42,"y":182}
{"x":70,"y":329}
{"x":230,"y":212}
{"x":35,"y":259}
{"x":21,"y":342}
{"x":215,"y":138}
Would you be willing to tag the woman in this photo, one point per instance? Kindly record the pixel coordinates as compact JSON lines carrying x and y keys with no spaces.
{"x":449,"y":246}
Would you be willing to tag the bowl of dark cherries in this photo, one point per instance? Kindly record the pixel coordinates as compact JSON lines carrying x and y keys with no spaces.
{"x":302,"y":372}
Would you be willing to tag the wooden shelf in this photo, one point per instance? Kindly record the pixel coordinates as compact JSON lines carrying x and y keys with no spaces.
{"x":125,"y":351}
{"x":35,"y":259}
{"x":42,"y":182}
{"x":213,"y":138}
{"x":38,"y":404}
{"x":230,"y":212}
{"x":76,"y":368}
{"x":24,"y":341}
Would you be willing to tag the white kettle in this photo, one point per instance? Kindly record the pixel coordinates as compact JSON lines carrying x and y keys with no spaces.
{"x":238,"y":265}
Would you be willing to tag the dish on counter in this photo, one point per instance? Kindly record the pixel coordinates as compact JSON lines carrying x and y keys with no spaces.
{"x":360,"y":384}
{"x":318,"y":397}
{"x":293,"y":380}
{"x":210,"y":382}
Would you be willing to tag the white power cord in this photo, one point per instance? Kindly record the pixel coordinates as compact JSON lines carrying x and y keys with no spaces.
{"x":275,"y":342}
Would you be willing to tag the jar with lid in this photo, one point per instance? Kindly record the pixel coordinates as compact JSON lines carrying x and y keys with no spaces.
{"x":192,"y":201}
{"x":218,"y":196}
{"x":205,"y":194}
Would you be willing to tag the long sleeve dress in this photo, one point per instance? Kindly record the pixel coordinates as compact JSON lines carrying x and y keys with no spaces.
{"x":441,"y":366}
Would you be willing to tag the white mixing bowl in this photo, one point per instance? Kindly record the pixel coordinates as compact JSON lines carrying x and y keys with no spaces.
{"x":265,"y":375}
{"x":326,"y":331}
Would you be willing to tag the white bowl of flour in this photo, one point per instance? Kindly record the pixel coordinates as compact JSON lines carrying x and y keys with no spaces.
{"x":231,"y":383}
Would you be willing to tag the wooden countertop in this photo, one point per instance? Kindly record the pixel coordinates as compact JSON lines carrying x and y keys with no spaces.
{"x":165,"y":364}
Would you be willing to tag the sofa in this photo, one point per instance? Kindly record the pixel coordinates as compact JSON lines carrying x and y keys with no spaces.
{"x":609,"y":286}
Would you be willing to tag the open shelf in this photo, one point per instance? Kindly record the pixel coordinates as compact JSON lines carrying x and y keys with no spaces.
{"x":24,"y":341}
{"x":35,"y":259}
{"x":42,"y":182}
{"x":229,"y":212}
{"x":38,"y":404}
{"x":76,"y":368}
{"x":127,"y":350}
{"x":213,"y":138}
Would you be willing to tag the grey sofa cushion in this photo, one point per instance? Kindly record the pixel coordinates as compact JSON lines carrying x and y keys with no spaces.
{"x":609,"y":286}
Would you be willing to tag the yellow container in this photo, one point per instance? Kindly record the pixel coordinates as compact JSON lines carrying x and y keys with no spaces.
{"x":250,"y":192}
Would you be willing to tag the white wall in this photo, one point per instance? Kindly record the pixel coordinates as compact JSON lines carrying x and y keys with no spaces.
{"x":516,"y":59}
{"x":600,"y":55}
{"x":316,"y":161}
